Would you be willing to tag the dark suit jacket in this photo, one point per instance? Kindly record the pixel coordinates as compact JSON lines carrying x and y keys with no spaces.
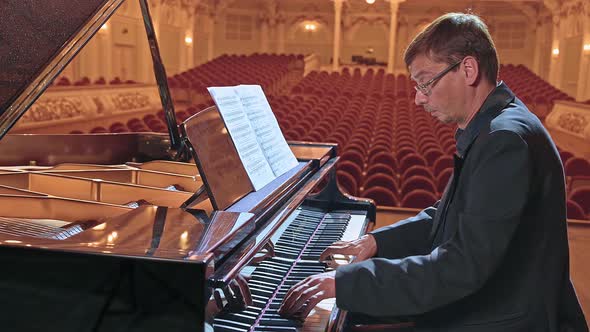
{"x":492,"y":254}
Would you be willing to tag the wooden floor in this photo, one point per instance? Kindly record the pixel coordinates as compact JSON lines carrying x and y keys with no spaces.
{"x":579,"y":241}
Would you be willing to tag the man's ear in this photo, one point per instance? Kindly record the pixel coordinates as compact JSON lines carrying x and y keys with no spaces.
{"x":470,"y":70}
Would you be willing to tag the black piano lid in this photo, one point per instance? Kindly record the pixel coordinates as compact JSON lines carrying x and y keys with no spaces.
{"x":37,"y":40}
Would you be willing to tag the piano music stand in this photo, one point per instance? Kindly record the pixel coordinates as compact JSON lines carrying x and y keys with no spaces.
{"x":220,"y":167}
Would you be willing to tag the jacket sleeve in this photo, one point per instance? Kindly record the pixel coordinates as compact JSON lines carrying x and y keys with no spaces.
{"x":407,"y":237}
{"x":496,"y":197}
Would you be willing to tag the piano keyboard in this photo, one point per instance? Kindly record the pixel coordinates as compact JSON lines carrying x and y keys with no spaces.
{"x":298,"y":245}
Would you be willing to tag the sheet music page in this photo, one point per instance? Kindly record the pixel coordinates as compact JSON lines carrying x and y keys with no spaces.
{"x":243,"y":135}
{"x":269,"y":135}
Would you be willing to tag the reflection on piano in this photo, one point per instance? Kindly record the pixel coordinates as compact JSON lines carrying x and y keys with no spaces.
{"x":104,"y":232}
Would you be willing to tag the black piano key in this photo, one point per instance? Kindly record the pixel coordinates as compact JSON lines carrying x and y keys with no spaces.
{"x":258,"y":303}
{"x":286,"y":254}
{"x":227,"y":322}
{"x":239,"y":317}
{"x":261,"y":292}
{"x":287,"y":248}
{"x":266,"y":278}
{"x":290,"y":242}
{"x":260,"y":298}
{"x":254,"y":309}
{"x":275,"y":305}
{"x":227,"y":328}
{"x":275,"y":329}
{"x":274,"y":266}
{"x":268,"y":315}
{"x":280,"y":322}
{"x":311,"y":270}
{"x":261,"y":284}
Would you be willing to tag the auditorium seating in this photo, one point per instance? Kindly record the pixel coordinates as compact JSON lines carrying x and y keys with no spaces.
{"x":535,"y":92}
{"x":390,"y":149}
{"x":267,"y":70}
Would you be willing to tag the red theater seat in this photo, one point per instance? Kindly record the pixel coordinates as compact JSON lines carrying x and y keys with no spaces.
{"x":410,"y":160}
{"x":417,"y":170}
{"x":417,"y":182}
{"x":441,"y":164}
{"x":355,"y":157}
{"x":350,"y":168}
{"x":582,"y":197}
{"x":443,"y":179}
{"x":381,"y":180}
{"x":577,"y":166}
{"x":418,"y":199}
{"x":386,"y":158}
{"x":565,"y":156}
{"x":381,"y":196}
{"x":380,"y":168}
{"x":347,"y":182}
{"x":574,"y":210}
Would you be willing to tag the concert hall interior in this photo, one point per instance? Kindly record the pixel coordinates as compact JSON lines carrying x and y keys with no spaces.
{"x":333,"y":72}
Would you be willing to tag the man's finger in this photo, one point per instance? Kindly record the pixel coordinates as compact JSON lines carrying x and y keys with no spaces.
{"x":304,"y":296}
{"x":292,"y":295}
{"x":347,"y":250}
{"x":311,"y":303}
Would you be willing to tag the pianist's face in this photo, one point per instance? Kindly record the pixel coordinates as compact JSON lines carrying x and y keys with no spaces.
{"x":445,"y":97}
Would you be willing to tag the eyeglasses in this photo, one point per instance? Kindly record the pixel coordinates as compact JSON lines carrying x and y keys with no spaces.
{"x":426,"y":88}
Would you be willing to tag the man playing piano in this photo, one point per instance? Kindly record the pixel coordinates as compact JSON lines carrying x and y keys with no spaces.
{"x":492,"y":254}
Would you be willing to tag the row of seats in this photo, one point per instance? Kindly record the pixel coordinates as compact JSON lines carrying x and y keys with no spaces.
{"x":529,"y":86}
{"x":349,"y":84}
{"x":267,"y":70}
{"x":84,"y":81}
{"x":535,"y":92}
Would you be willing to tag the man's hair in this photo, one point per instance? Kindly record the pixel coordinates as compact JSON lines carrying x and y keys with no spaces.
{"x":454,"y":36}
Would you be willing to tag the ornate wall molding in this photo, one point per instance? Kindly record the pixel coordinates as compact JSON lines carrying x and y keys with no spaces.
{"x":58,"y":105}
{"x":570,"y":117}
{"x":573,"y":122}
{"x":50,"y":109}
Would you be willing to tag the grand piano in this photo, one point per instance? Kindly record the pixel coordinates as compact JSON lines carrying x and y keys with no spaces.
{"x":123,"y":232}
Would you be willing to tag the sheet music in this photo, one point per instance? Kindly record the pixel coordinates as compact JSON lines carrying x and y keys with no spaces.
{"x":265,"y":125}
{"x":243,"y":135}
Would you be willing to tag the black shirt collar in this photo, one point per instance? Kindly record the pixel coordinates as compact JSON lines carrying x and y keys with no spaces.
{"x":496,"y":101}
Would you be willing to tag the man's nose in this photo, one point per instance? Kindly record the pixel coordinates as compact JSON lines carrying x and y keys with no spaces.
{"x":420,"y":98}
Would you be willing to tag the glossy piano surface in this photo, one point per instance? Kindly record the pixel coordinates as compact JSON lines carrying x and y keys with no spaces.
{"x":111,"y":232}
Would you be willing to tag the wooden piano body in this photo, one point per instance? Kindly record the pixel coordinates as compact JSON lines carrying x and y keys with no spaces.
{"x":106,"y":232}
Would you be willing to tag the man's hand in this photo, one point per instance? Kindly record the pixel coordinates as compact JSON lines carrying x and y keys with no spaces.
{"x":363,"y":248}
{"x":306,"y":294}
